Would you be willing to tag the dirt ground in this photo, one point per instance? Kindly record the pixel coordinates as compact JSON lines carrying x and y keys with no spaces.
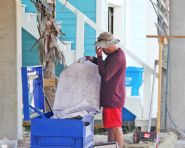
{"x":25,"y":143}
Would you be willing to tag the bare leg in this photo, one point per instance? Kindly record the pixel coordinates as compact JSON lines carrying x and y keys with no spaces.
{"x":110,"y":135}
{"x":118,"y":136}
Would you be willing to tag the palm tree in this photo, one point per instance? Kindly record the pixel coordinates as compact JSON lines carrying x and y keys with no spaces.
{"x":49,"y":51}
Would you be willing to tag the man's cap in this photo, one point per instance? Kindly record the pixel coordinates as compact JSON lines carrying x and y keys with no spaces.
{"x":106,"y":40}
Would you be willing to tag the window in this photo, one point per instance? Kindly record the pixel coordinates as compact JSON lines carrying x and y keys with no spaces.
{"x":111,"y":19}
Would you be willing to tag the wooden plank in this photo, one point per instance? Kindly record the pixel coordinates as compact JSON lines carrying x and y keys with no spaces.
{"x":26,"y":123}
{"x":161,"y":43}
{"x":140,"y":145}
{"x":32,"y":77}
{"x":50,"y":82}
{"x":168,"y":37}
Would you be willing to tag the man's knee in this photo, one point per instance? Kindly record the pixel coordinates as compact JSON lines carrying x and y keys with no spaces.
{"x":117,"y":129}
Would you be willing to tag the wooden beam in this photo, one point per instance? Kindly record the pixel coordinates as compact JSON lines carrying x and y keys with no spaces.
{"x":167,"y":37}
{"x":161,"y":43}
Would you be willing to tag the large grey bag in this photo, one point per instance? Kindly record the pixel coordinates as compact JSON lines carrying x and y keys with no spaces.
{"x":78,"y":91}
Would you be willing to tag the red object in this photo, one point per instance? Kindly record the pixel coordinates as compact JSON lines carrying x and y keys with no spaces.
{"x":146,"y":135}
{"x":112,"y":117}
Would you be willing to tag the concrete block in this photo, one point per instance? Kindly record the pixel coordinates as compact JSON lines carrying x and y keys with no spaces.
{"x":149,"y":145}
{"x":176,"y":98}
{"x":167,"y":140}
{"x":5,"y":143}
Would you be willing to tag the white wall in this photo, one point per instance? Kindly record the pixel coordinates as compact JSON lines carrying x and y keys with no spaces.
{"x":152,"y":50}
{"x":136,"y":27}
{"x":152,"y":44}
{"x":140,"y":19}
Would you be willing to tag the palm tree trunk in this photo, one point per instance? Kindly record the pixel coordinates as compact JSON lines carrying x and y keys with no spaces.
{"x":49,"y":90}
{"x":50,"y":53}
{"x":50,"y":72}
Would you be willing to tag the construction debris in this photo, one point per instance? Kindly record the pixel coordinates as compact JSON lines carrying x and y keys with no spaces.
{"x":6,"y":143}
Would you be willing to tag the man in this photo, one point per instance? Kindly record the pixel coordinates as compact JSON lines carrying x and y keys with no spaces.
{"x":112,"y":94}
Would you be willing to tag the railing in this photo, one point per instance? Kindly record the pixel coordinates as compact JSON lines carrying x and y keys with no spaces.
{"x":81,"y":20}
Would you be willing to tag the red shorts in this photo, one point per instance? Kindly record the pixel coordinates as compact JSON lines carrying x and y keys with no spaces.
{"x":112,"y":117}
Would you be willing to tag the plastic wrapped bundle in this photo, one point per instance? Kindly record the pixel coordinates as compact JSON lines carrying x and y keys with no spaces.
{"x":78,"y":91}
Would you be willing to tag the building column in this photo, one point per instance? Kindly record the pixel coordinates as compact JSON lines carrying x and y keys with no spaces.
{"x":10,"y":68}
{"x":176,"y":99}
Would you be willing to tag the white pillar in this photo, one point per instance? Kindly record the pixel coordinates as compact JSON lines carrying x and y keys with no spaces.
{"x":119,"y":22}
{"x":102,"y":15}
{"x":80,"y":36}
{"x":147,"y":93}
{"x":10,"y":68}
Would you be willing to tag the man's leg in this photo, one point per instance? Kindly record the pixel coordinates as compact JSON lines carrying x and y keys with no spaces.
{"x":110,"y":135}
{"x":118,"y":136}
{"x":112,"y":119}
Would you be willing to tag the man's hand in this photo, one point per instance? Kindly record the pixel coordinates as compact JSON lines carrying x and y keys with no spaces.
{"x":90,"y":58}
{"x":99,"y":52}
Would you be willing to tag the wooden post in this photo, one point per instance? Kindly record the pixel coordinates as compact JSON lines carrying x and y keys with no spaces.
{"x":161,"y":45}
{"x":162,"y":41}
{"x":160,"y":62}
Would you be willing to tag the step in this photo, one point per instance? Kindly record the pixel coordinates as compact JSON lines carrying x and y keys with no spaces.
{"x":134,"y":105}
{"x":23,"y":8}
{"x":68,"y":44}
{"x":32,"y":17}
{"x":68,"y":53}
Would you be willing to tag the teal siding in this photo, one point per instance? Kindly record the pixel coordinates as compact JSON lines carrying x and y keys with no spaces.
{"x":68,"y":22}
{"x":90,"y":37}
{"x":30,"y":56}
{"x":30,"y":6}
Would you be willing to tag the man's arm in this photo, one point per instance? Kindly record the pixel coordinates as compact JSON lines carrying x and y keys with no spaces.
{"x":92,"y":59}
{"x":110,"y":70}
{"x":95,"y":60}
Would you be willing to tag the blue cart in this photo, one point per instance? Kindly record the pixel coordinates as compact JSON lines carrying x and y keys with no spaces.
{"x":45,"y":131}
